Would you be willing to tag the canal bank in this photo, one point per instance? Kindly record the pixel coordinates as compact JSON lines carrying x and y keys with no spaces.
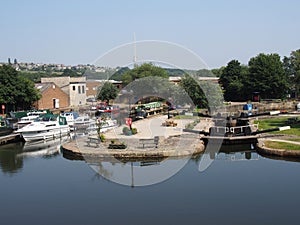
{"x":264,"y":150}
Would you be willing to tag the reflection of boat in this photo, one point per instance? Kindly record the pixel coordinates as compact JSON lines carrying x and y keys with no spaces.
{"x":48,"y":126}
{"x":5,"y":127}
{"x":41,"y":148}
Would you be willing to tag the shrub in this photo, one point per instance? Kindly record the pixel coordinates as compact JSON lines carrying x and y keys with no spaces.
{"x":126,"y":131}
{"x":102,"y":137}
{"x":134,"y":131}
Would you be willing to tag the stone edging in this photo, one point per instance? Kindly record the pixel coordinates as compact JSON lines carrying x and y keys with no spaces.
{"x":262,"y":149}
{"x":71,"y":151}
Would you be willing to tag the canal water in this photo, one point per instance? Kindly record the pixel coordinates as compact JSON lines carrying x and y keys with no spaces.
{"x":39,"y":186}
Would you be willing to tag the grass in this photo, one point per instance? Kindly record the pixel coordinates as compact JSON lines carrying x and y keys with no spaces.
{"x":294,"y":139}
{"x":282,"y":145}
{"x":185,"y":117}
{"x":279,"y":122}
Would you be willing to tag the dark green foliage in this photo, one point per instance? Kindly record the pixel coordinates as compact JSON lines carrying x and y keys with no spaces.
{"x":16,"y":92}
{"x":70,"y":73}
{"x":267,"y":76}
{"x":118,"y":75}
{"x":292,"y":70}
{"x":145,"y":70}
{"x":194,"y":90}
{"x":232,"y":79}
{"x":107,"y":91}
{"x":204,"y":94}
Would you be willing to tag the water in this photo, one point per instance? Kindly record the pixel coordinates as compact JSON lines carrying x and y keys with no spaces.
{"x":49,"y":189}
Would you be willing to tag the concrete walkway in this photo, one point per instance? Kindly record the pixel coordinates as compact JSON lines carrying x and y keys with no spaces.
{"x":172,"y":141}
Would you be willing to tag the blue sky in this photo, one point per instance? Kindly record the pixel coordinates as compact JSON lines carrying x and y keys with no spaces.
{"x":74,"y":32}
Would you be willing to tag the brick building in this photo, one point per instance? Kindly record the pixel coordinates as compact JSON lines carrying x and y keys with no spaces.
{"x":74,"y":87}
{"x":52,"y":96}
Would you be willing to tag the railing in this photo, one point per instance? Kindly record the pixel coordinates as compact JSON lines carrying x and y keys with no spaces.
{"x":237,"y":130}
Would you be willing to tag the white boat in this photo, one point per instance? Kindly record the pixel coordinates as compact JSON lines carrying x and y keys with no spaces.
{"x":48,"y":126}
{"x":71,"y":117}
{"x":83,"y":122}
{"x":31,"y":116}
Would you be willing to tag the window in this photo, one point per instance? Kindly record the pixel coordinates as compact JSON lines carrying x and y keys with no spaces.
{"x":83,"y":91}
{"x":74,"y":87}
{"x":79,"y":90}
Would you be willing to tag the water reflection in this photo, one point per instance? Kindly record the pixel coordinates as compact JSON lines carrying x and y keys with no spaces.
{"x":9,"y":162}
{"x":12,"y":155}
{"x":149,"y":171}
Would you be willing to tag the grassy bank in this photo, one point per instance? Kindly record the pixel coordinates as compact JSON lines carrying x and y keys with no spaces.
{"x":279,"y":122}
{"x":281,"y":145}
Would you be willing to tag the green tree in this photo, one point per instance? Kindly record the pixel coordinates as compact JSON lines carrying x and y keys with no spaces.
{"x":218,"y":71}
{"x":144,"y":70}
{"x":193,"y":89}
{"x":16,"y":91}
{"x":232,"y":80}
{"x":106,"y":92}
{"x":204,"y":94}
{"x":292,"y":70}
{"x":27,"y":93}
{"x":267,"y":76}
{"x":69,"y":73}
{"x":8,"y":85}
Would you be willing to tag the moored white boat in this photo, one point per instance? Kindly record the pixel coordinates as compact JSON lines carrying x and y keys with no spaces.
{"x":70,"y":117}
{"x":49,"y":126}
{"x":83,"y":122}
{"x":31,"y":116}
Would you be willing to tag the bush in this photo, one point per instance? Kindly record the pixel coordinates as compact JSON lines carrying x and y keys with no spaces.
{"x":126,"y":131}
{"x":102,"y":137}
{"x":134,"y":131}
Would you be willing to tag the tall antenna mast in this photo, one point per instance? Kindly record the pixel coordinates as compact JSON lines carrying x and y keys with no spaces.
{"x":134,"y":48}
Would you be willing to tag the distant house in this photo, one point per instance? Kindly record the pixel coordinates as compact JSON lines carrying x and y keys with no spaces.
{"x":74,"y":87}
{"x":52,"y":96}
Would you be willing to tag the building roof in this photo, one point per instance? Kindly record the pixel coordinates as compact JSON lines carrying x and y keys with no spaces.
{"x":42,"y":87}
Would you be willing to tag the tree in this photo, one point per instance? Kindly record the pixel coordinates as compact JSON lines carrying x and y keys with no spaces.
{"x":193,"y":89}
{"x":27,"y":93}
{"x":292,"y":70}
{"x":145,"y":70}
{"x":69,"y":73}
{"x":267,"y":76}
{"x":15,"y":90}
{"x":107,"y":92}
{"x":204,"y":94}
{"x":232,"y":80}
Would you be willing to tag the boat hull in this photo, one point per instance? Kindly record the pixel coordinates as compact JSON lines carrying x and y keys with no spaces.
{"x":45,"y":134}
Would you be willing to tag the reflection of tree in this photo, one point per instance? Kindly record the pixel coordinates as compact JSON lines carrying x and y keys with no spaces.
{"x":9,"y":162}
